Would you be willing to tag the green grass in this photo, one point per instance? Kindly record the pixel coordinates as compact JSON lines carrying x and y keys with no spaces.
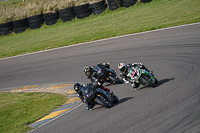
{"x":18,"y":110}
{"x":140,"y":17}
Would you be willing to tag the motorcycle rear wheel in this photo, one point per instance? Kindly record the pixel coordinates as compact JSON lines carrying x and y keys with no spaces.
{"x":114,"y":80}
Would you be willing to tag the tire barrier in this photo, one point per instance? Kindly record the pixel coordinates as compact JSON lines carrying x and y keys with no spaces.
{"x":35,"y":22}
{"x":67,"y":14}
{"x":82,"y":11}
{"x":50,"y":18}
{"x":113,"y":5}
{"x":145,"y":1}
{"x":98,"y":8}
{"x":20,"y":25}
{"x":128,"y":3}
{"x":6,"y":28}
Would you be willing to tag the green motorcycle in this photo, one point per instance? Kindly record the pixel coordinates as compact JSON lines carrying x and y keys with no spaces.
{"x":141,"y":76}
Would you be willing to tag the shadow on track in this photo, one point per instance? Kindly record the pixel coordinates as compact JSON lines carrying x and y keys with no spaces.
{"x":160,"y":82}
{"x":124,"y":99}
{"x":120,"y":101}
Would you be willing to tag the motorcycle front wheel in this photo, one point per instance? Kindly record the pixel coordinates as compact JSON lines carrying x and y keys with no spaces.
{"x":147,"y":81}
{"x":102,"y":101}
{"x":114,"y":99}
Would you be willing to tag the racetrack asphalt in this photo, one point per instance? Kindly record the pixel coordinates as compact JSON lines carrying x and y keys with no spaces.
{"x":171,"y":107}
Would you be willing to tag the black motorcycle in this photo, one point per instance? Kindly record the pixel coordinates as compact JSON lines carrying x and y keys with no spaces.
{"x":99,"y":96}
{"x":110,"y":76}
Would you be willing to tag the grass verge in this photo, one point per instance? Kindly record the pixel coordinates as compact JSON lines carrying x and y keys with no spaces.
{"x":18,"y":110}
{"x":140,"y":17}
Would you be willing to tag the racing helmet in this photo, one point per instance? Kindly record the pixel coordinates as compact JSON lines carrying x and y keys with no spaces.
{"x":87,"y":71}
{"x":121,"y":66}
{"x":77,"y":86}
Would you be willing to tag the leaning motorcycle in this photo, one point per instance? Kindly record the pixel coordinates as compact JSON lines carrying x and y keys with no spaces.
{"x":110,"y":76}
{"x":141,"y":76}
{"x":99,"y":96}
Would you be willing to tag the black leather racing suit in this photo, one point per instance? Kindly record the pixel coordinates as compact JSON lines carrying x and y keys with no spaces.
{"x":89,"y":105}
{"x":98,"y":73}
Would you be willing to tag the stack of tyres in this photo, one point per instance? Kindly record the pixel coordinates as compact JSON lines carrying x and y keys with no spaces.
{"x":67,"y":14}
{"x":82,"y":11}
{"x":145,"y":1}
{"x":50,"y":18}
{"x":113,"y":5}
{"x":128,"y":3}
{"x":6,"y":28}
{"x":20,"y":25}
{"x":98,"y":7}
{"x":35,"y":22}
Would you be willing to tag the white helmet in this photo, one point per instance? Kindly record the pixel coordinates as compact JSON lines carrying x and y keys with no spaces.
{"x":121,"y":66}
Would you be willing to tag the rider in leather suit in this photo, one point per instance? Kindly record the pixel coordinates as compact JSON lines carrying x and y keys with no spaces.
{"x":124,"y":69}
{"x":96,"y":74}
{"x":77,"y":88}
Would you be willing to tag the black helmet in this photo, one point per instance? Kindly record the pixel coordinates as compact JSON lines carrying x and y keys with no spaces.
{"x":87,"y":71}
{"x":77,"y":87}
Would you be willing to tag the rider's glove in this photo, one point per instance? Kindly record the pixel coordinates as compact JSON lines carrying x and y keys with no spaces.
{"x":83,"y":100}
{"x":98,"y":83}
{"x":139,"y":64}
{"x":120,"y":74}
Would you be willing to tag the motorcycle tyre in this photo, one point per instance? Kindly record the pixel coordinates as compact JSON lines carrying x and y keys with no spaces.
{"x":156,"y":81}
{"x":115,"y":80}
{"x":98,"y":101}
{"x":147,"y":82}
{"x":114,"y":99}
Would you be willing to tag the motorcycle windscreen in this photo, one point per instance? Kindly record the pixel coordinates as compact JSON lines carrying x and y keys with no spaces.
{"x":87,"y":92}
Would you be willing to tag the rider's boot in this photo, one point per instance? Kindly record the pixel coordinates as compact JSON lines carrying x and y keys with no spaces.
{"x":135,"y":85}
{"x":125,"y":81}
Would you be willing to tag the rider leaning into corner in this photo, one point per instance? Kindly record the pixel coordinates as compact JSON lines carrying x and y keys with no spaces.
{"x":77,"y":88}
{"x":96,"y":74}
{"x":125,"y":69}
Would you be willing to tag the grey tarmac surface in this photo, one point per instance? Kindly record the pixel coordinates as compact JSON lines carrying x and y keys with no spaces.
{"x":171,"y":107}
